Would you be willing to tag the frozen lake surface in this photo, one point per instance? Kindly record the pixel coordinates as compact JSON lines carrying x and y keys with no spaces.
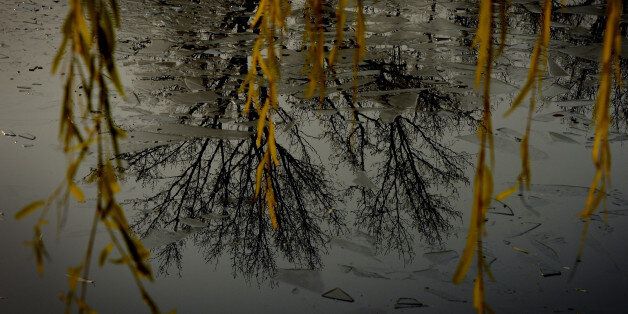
{"x":373,"y":192}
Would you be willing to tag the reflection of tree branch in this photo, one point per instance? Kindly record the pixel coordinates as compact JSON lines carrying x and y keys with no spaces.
{"x":415,"y":171}
{"x":404,"y":199}
{"x":218,"y":176}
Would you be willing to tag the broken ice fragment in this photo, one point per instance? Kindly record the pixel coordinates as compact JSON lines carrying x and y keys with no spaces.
{"x":404,"y":100}
{"x":507,"y":145}
{"x":194,"y":84}
{"x":362,"y":179}
{"x":193,"y":222}
{"x":557,"y":137}
{"x":194,"y":98}
{"x":545,"y":249}
{"x":430,"y":273}
{"x":555,"y":69}
{"x":338,"y":294}
{"x":361,"y":272}
{"x":27,"y":136}
{"x":548,"y":271}
{"x":406,"y":303}
{"x":444,"y":295}
{"x":305,"y":278}
{"x":160,"y":237}
{"x":508,"y":132}
{"x":441,"y":257}
{"x":357,"y":248}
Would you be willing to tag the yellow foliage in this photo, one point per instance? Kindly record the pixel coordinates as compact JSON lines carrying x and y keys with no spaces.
{"x":538,"y":65}
{"x":76,"y":192}
{"x":269,"y":18}
{"x":315,"y":59}
{"x":483,"y":182}
{"x":29,"y":209}
{"x":601,"y":153}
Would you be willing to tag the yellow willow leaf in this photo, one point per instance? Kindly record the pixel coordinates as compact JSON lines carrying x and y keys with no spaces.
{"x":259,"y":12}
{"x":311,"y":88}
{"x":271,"y":142}
{"x":467,"y":256}
{"x":592,"y":200}
{"x":272,"y":92}
{"x":83,"y":31}
{"x":265,"y":69}
{"x":121,"y":261}
{"x":529,"y":84}
{"x":115,"y":187}
{"x":73,"y":275}
{"x":261,"y":123}
{"x":72,"y":167}
{"x":538,"y":58}
{"x":109,"y":224}
{"x":76,"y":192}
{"x":245,"y":85}
{"x":82,"y":145}
{"x":478,"y":295}
{"x":29,"y":209}
{"x":270,"y":201}
{"x":601,"y":151}
{"x":341,"y":19}
{"x":504,"y":195}
{"x":259,"y":172}
{"x":104,"y":254}
{"x":278,"y":17}
{"x":488,"y":189}
{"x":472,"y":237}
{"x":250,"y":98}
{"x":59,"y":55}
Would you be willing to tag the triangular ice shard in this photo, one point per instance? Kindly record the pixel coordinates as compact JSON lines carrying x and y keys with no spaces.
{"x":338,"y":294}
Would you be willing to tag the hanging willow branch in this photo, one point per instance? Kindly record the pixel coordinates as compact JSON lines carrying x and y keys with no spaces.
{"x":360,"y":38}
{"x":601,"y":153}
{"x":269,"y":20}
{"x":483,"y":182}
{"x":314,"y":35}
{"x":532,"y":86}
{"x":86,"y":122}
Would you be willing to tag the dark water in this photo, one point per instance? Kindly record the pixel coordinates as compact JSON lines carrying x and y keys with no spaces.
{"x":373,"y":192}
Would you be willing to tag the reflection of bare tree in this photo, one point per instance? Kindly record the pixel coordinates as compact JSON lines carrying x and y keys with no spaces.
{"x":404,"y":198}
{"x":214,"y":183}
{"x":415,"y":171}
